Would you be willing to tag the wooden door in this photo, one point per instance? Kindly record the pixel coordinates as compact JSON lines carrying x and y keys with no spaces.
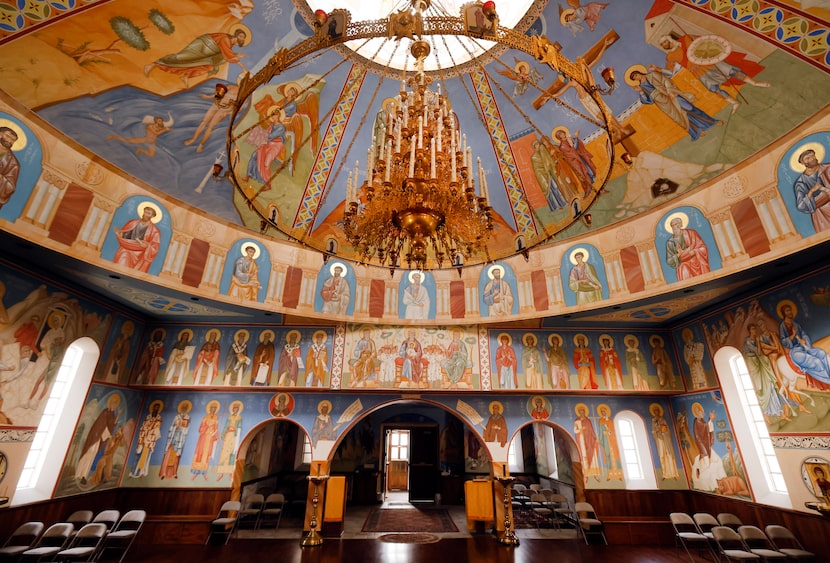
{"x":397,"y":459}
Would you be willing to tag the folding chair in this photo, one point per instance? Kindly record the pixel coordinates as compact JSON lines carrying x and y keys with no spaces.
{"x":23,"y":538}
{"x":251,"y":509}
{"x":107,"y":517}
{"x":121,"y":538}
{"x":705,"y":522}
{"x":84,"y":546}
{"x":79,"y":518}
{"x":731,"y":546}
{"x":589,"y":524}
{"x":688,"y":535}
{"x":562,"y":509}
{"x":53,"y":540}
{"x":729,"y":520}
{"x":539,"y":505}
{"x":758,"y":543}
{"x":273,"y":508}
{"x":225,"y":521}
{"x":785,"y":541}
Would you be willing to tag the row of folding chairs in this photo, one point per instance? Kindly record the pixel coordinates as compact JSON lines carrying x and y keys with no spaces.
{"x":255,"y":508}
{"x":726,"y":536}
{"x":82,"y":537}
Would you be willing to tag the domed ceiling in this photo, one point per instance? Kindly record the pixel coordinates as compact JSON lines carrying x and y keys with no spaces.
{"x":151,"y":88}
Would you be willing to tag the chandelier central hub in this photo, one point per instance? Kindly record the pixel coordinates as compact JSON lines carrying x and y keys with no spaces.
{"x":418,"y":202}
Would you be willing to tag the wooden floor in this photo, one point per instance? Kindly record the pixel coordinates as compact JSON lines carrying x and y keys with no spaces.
{"x":458,"y":550}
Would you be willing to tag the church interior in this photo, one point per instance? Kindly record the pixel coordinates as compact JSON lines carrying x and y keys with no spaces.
{"x":429,"y":250}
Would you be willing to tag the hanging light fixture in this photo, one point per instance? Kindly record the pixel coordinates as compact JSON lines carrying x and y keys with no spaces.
{"x":418,"y":202}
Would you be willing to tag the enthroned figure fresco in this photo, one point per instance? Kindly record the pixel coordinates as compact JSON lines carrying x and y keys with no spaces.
{"x":804,"y":183}
{"x":334,"y":289}
{"x":497,"y":291}
{"x":416,"y":296}
{"x":246,"y":271}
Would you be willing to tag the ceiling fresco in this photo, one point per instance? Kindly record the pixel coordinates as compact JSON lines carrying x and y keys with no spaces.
{"x":139,"y":83}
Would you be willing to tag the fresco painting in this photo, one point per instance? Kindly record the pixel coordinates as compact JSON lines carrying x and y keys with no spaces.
{"x":711,"y":456}
{"x":783,"y":337}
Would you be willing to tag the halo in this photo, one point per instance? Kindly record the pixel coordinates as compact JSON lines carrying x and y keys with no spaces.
{"x":603,"y":406}
{"x":608,"y":336}
{"x":264,"y":332}
{"x":684,"y":221}
{"x":655,"y":340}
{"x":295,"y":333}
{"x":687,"y":332}
{"x":498,"y":267}
{"x":215,"y":403}
{"x":211,"y":331}
{"x":321,"y":403}
{"x":509,"y":338}
{"x":340,"y":265}
{"x":241,"y":27}
{"x":534,"y":397}
{"x":564,"y":14}
{"x":318,"y":333}
{"x":243,"y":332}
{"x":390,"y":102}
{"x":412,"y":273}
{"x":560,"y":128}
{"x":656,"y":407}
{"x":630,"y":81}
{"x":239,"y":404}
{"x":245,"y":245}
{"x":578,"y":335}
{"x":628,"y":337}
{"x":575,"y":251}
{"x":697,"y":407}
{"x":780,"y":306}
{"x":56,"y":319}
{"x":22,"y":140}
{"x":128,"y":328}
{"x":285,"y":86}
{"x":580,"y":406}
{"x":158,"y":402}
{"x":113,"y":401}
{"x":522,"y":65}
{"x":797,"y":166}
{"x":495,"y":404}
{"x":275,"y":109}
{"x":154,"y":207}
{"x":553,"y":335}
{"x":185,"y":406}
{"x":527,"y":336}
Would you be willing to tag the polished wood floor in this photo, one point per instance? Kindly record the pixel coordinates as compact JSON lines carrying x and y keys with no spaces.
{"x":476,"y":548}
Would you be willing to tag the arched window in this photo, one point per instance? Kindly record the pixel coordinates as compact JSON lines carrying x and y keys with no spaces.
{"x":632,"y":439}
{"x":760,"y":461}
{"x":54,"y":433}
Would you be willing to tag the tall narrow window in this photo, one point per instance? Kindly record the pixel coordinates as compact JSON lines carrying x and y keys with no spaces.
{"x":760,"y":461}
{"x":635,"y":452}
{"x":61,"y":412}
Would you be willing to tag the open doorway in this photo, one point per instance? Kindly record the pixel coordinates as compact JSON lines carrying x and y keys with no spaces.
{"x":411,"y":461}
{"x":397,"y":461}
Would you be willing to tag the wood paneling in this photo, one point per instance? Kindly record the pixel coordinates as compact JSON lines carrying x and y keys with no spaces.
{"x":194,"y":265}
{"x":376,"y":298}
{"x":538,"y":282}
{"x":630,"y":260}
{"x":457,"y":304}
{"x":293,"y":284}
{"x":750,"y":228}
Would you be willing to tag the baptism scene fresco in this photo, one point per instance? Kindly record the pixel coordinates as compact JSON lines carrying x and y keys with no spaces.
{"x":152,"y":87}
{"x":783,"y":337}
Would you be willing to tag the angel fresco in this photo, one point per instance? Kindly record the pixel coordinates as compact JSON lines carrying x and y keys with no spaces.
{"x":523,"y":75}
{"x":576,"y":15}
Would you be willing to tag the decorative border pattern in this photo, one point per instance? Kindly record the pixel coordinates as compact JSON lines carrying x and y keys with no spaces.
{"x":328,"y":150}
{"x":797,"y":32}
{"x":18,"y":16}
{"x":801,"y":442}
{"x":522,"y":214}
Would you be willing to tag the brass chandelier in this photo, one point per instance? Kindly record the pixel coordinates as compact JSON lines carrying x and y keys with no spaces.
{"x":418,"y":202}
